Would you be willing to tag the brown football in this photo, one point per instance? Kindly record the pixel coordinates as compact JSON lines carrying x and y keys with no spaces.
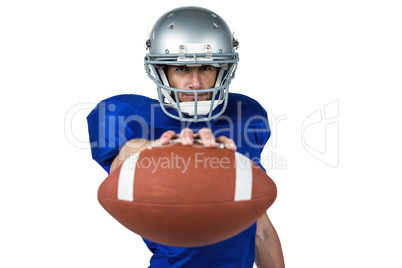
{"x":187,"y":196}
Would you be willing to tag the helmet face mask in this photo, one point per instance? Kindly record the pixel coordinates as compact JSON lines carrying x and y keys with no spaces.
{"x":192,"y":36}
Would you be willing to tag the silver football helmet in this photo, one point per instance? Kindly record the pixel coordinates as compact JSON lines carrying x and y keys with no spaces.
{"x":192,"y":36}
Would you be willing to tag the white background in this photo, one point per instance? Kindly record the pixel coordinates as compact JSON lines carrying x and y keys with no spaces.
{"x":59,"y":58}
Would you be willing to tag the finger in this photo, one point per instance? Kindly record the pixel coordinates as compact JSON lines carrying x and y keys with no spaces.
{"x":227,"y":143}
{"x":186,"y":136}
{"x":167,"y":136}
{"x":207,"y":137}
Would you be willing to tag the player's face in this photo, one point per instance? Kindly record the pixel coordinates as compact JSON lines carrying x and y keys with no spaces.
{"x":199,"y":77}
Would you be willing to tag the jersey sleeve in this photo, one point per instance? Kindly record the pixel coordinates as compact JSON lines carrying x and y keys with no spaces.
{"x":255,"y":122}
{"x":110,"y":125}
{"x":263,"y":132}
{"x":259,"y":131}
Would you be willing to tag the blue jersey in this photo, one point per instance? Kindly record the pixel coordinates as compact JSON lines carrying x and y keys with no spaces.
{"x":121,"y":118}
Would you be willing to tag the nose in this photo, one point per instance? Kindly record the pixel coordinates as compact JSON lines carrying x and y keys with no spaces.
{"x":194,"y":82}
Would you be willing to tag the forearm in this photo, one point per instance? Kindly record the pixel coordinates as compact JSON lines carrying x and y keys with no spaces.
{"x":269,"y":253}
{"x":130,"y":148}
{"x":268,"y":247}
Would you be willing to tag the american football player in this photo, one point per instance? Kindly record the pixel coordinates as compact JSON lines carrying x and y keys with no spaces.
{"x":191,"y":57}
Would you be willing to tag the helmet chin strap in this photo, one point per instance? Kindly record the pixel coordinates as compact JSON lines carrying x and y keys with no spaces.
{"x":188,"y":107}
{"x":165,"y":82}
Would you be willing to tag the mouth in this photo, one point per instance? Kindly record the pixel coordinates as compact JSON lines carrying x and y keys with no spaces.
{"x":200,"y":96}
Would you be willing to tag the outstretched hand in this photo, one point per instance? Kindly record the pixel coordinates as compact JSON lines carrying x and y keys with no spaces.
{"x":186,"y":137}
{"x":205,"y":136}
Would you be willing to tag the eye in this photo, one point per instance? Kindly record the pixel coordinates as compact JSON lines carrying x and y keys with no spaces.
{"x":181,"y":69}
{"x":206,"y":68}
